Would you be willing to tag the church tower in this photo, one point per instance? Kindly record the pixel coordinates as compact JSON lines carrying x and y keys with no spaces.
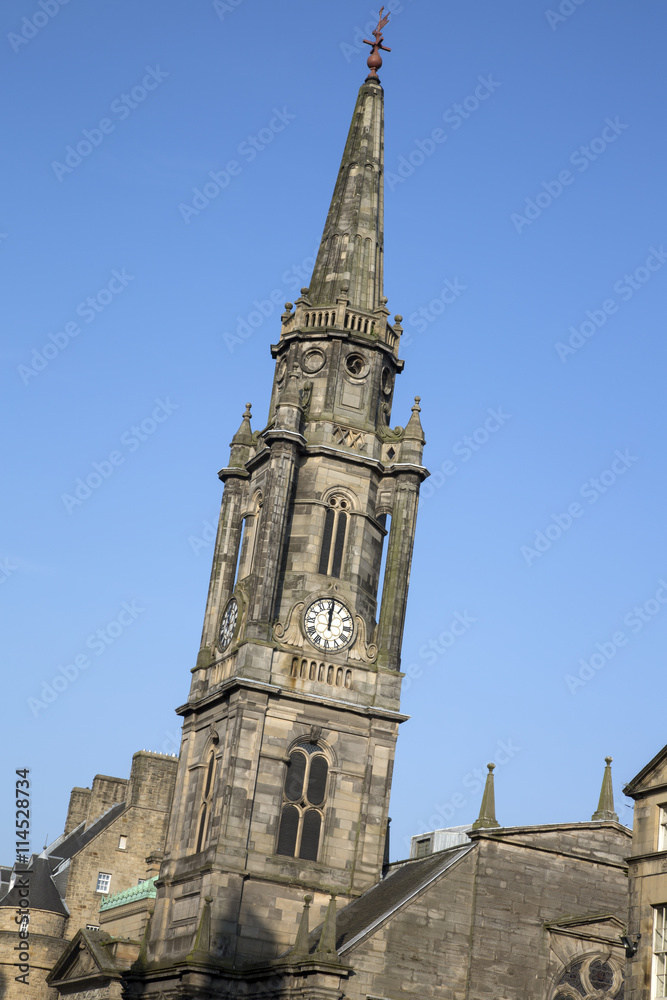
{"x":291,"y":722}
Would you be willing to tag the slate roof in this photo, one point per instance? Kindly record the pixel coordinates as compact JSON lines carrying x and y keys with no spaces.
{"x":369,"y":910}
{"x":49,"y":870}
{"x":65,"y":848}
{"x":43,"y":893}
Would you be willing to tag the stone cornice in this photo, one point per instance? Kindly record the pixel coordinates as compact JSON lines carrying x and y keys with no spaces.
{"x":370,"y":711}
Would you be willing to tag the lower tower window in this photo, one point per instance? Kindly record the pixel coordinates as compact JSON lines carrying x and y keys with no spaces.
{"x":304,"y":796}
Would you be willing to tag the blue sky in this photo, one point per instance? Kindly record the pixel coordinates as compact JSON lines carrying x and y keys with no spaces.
{"x":525,"y":249}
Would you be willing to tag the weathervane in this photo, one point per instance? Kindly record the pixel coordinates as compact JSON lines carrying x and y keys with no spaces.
{"x":375,"y":59}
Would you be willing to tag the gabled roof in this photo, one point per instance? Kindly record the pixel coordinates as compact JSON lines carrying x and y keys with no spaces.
{"x":88,"y":960}
{"x":43,"y":893}
{"x":65,"y":848}
{"x":634,"y":786}
{"x":369,"y":910}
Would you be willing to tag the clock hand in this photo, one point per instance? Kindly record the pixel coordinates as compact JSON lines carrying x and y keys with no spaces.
{"x":331,"y":611}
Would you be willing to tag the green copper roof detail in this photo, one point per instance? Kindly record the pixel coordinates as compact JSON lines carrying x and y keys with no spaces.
{"x":145,"y":890}
{"x":487,"y":813}
{"x":605,"y":809}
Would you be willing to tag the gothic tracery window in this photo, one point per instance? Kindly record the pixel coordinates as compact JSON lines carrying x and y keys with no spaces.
{"x":333,"y":536}
{"x":304,"y":799}
{"x":589,"y":979}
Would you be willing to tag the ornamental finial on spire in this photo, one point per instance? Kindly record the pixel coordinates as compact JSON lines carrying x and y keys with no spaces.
{"x":375,"y":59}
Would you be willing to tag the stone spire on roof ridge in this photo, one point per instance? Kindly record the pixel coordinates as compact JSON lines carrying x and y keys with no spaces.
{"x":487,"y":812}
{"x":352,"y":246}
{"x":605,"y":809}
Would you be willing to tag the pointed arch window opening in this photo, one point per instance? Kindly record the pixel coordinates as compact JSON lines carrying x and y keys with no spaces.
{"x":204,"y":815}
{"x":246,"y":556}
{"x":304,"y":800}
{"x":385,"y":521}
{"x":334,"y":536}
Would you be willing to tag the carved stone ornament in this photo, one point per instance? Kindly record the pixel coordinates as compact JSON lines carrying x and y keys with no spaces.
{"x":306,"y":393}
{"x":315,"y":733}
{"x":386,"y":433}
{"x":365,"y":652}
{"x":213,"y":733}
{"x":313,"y":360}
{"x":349,"y":438}
{"x":290,"y":633}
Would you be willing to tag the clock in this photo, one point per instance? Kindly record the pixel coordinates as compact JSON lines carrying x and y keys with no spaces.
{"x":228,"y":624}
{"x":328,"y":623}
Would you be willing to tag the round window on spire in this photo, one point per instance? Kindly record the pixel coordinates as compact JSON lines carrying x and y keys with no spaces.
{"x":356,"y":365}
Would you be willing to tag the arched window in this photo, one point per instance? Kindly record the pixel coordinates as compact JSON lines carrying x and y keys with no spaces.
{"x":250,"y":536}
{"x":589,"y":979}
{"x":333,"y":536}
{"x":205,"y":804}
{"x":304,"y":798}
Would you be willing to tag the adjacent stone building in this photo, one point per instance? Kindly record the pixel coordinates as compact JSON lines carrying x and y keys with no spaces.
{"x":647,"y":922}
{"x":114,"y":838}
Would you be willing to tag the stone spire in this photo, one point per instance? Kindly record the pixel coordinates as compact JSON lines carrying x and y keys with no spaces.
{"x":412,"y":447}
{"x":352,"y":246}
{"x":605,"y":809}
{"x":487,"y":813}
{"x":241,"y":443}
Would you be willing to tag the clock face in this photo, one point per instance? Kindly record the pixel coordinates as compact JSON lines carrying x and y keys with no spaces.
{"x":328,"y":623}
{"x":228,"y":624}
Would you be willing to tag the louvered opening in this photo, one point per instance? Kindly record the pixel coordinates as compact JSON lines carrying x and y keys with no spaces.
{"x":289,"y":825}
{"x":296,"y":770}
{"x":339,"y":544}
{"x":202,"y":828}
{"x":209,"y":776}
{"x":317,"y":780}
{"x":310,"y":836}
{"x":326,"y":542}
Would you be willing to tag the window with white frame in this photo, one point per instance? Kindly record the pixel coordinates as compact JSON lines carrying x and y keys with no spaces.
{"x":662,"y":828}
{"x":122,"y":843}
{"x":659,"y":985}
{"x":103,"y":881}
{"x":92,"y":927}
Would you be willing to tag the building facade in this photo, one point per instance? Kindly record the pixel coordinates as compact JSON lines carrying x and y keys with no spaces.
{"x":647,"y":921}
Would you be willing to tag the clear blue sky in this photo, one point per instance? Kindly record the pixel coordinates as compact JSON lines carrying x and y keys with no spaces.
{"x":536,"y":219}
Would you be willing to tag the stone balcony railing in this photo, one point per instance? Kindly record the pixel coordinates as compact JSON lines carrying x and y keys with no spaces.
{"x":341,"y":317}
{"x":145,"y":890}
